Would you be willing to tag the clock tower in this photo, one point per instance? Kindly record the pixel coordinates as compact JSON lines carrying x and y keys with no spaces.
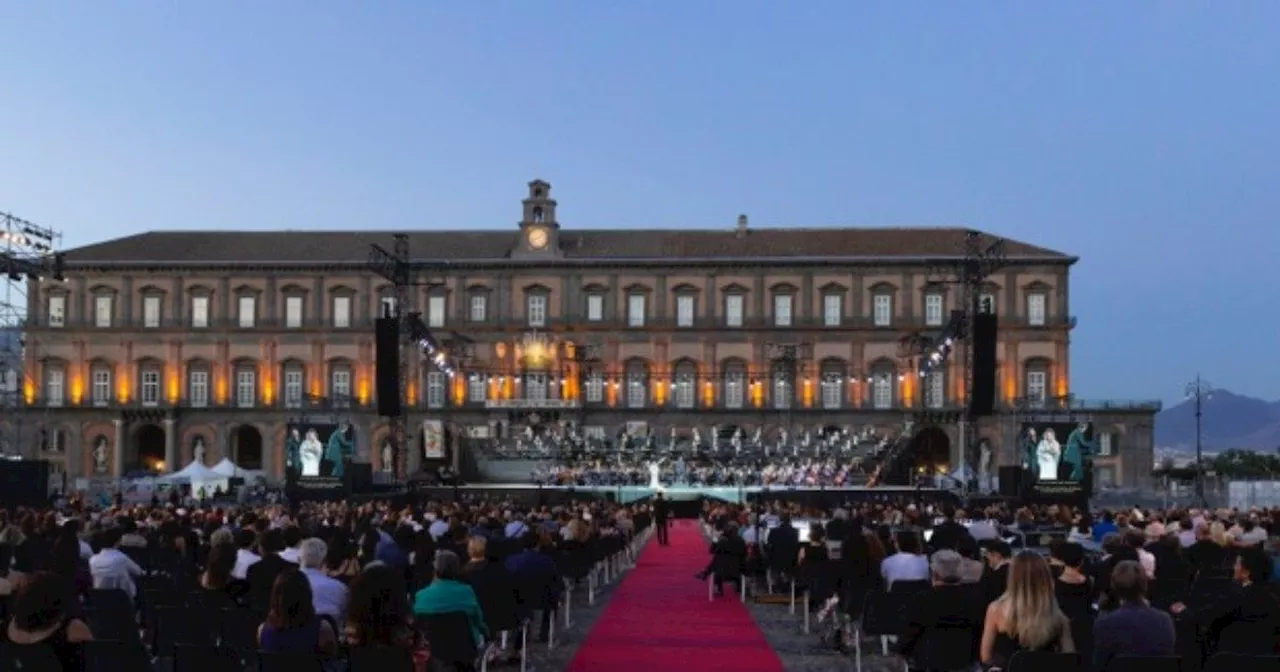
{"x":539,"y":230}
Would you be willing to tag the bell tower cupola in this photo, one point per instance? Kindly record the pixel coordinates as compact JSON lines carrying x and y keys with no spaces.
{"x":539,"y":230}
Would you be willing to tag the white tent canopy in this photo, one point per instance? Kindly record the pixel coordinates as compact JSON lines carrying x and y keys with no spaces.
{"x":228,"y":469}
{"x":192,"y":473}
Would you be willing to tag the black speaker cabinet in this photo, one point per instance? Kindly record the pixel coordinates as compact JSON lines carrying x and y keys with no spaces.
{"x":1010,"y":481}
{"x":984,"y":365}
{"x":24,"y":483}
{"x":387,"y":373}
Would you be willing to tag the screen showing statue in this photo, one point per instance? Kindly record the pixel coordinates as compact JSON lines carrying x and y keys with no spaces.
{"x":1057,"y":451}
{"x":318,"y":450}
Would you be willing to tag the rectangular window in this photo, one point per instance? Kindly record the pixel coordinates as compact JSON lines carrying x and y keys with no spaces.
{"x":293,"y":388}
{"x":292,"y":312}
{"x":55,"y":387}
{"x":247,"y":308}
{"x":200,"y":312}
{"x":479,"y":307}
{"x":340,"y":386}
{"x":684,"y":311}
{"x":782,"y":310}
{"x":733,"y":304}
{"x":1035,"y":310}
{"x":150,"y":388}
{"x":436,"y":307}
{"x":537,"y":310}
{"x":595,"y":307}
{"x":246,"y":388}
{"x":781,"y":391}
{"x":101,"y":392}
{"x":150,"y":312}
{"x":387,"y":306}
{"x":1036,"y":387}
{"x":535,"y":387}
{"x":882,"y":392}
{"x":477,"y":388}
{"x":58,"y":311}
{"x":1104,"y":444}
{"x":198,"y":389}
{"x":734,"y":390}
{"x":637,"y":391}
{"x":685,"y":390}
{"x":102,"y":311}
{"x":832,"y":310}
{"x":933,"y":310}
{"x":935,"y":391}
{"x":342,"y":312}
{"x":882,"y":310}
{"x":595,"y":388}
{"x":832,"y":390}
{"x":635,"y":310}
{"x":435,"y":389}
{"x":987,"y":304}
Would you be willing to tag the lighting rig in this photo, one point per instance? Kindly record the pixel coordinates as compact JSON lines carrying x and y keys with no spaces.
{"x":28,"y":253}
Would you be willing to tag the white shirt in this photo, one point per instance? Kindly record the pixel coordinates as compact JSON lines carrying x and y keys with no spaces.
{"x":112,"y":569}
{"x":904,"y":567}
{"x":438,"y":528}
{"x":86,"y":551}
{"x":328,"y":596}
{"x":290,"y":554}
{"x":245,"y":559}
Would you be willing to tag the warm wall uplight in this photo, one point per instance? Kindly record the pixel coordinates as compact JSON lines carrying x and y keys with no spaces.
{"x":173,"y":388}
{"x":908,"y":391}
{"x":1062,"y":384}
{"x":1010,"y":389}
{"x":77,"y":389}
{"x":708,"y":394}
{"x":459,"y":384}
{"x":807,"y":392}
{"x":362,"y":390}
{"x":268,"y":384}
{"x":29,"y":391}
{"x":611,"y":392}
{"x":123,"y":392}
{"x":411,"y":394}
{"x":222,"y":388}
{"x":660,"y":392}
{"x":757,"y":394}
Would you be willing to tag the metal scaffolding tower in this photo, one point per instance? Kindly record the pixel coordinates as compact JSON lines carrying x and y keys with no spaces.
{"x":28,"y":252}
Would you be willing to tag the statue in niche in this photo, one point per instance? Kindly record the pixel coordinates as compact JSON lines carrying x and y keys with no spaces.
{"x":100,"y":454}
{"x":198,"y":450}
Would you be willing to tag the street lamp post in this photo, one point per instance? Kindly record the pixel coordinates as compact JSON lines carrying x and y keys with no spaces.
{"x":1200,"y":391}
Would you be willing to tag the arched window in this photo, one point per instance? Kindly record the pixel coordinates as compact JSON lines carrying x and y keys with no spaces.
{"x":735,"y":383}
{"x":884,"y":378}
{"x":637,"y":384}
{"x":783,"y":384}
{"x":833,"y":395}
{"x":686,"y":384}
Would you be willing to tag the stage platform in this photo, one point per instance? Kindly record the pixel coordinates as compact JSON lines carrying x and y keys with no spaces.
{"x":627,"y":494}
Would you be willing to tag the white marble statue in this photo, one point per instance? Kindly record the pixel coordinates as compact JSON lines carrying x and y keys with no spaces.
{"x":388,"y":457}
{"x":100,"y":456}
{"x":310,"y":453}
{"x":198,"y":451}
{"x":655,"y":473}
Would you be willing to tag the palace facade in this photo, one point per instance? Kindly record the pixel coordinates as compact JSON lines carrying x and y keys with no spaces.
{"x":160,"y":341}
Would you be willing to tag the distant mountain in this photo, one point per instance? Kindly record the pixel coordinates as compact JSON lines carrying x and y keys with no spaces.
{"x":1228,"y":420}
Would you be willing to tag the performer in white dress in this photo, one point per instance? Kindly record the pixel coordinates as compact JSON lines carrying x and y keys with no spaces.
{"x":1048,"y":453}
{"x":309,"y":453}
{"x":655,"y":471}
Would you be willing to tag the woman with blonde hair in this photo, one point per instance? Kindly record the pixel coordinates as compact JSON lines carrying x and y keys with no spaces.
{"x":1026,"y":617}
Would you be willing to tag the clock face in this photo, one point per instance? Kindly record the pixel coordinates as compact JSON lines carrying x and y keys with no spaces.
{"x":538,"y":238}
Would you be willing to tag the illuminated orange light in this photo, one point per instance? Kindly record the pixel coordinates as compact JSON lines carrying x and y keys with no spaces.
{"x":459,"y":390}
{"x":660,"y":392}
{"x":611,"y":392}
{"x":221,"y":388}
{"x":807,"y":393}
{"x":907,"y":391}
{"x":708,"y":394}
{"x":268,"y":384}
{"x":123,"y":392}
{"x":757,"y":394}
{"x":29,"y":391}
{"x":173,"y":388}
{"x":362,"y":390}
{"x":1062,"y":383}
{"x":411,"y":393}
{"x":77,"y":389}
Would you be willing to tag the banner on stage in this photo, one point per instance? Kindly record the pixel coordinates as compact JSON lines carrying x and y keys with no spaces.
{"x":531,"y":404}
{"x":433,"y":439}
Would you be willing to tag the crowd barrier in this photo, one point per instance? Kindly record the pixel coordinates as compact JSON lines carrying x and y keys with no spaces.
{"x":627,"y":494}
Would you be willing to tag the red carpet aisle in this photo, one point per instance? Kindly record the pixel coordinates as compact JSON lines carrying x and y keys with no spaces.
{"x":660,"y":616}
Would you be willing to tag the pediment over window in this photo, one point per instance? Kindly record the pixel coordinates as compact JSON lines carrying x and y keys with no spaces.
{"x":244,"y":363}
{"x":734,"y":288}
{"x":246,"y":290}
{"x":833,"y":288}
{"x":54,"y":362}
{"x":1037,"y":286}
{"x":102,"y":289}
{"x":293,"y":289}
{"x":537,"y":288}
{"x":200,"y":290}
{"x":595,"y":288}
{"x":934,"y":288}
{"x":151,"y":290}
{"x":101,"y":363}
{"x":342,"y":290}
{"x":684,"y":288}
{"x":637,"y":288}
{"x":477,"y":288}
{"x":197,"y":364}
{"x":883,"y":287}
{"x":783,"y":288}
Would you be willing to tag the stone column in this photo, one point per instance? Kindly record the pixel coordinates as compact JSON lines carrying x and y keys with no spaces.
{"x":170,"y":446}
{"x":117,"y":450}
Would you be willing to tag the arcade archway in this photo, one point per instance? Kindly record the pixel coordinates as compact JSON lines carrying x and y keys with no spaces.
{"x":148,"y":450}
{"x":246,"y":447}
{"x":931,"y":451}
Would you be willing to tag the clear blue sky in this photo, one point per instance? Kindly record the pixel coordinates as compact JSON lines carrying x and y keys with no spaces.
{"x":1143,"y":137}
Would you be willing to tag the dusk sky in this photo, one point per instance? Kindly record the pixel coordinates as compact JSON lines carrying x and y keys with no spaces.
{"x":1142,"y":137}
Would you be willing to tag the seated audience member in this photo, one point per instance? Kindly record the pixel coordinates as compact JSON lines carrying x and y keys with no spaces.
{"x":340,"y":562}
{"x":218,"y":589}
{"x":951,"y":604}
{"x":245,"y":557}
{"x":292,"y":625}
{"x":537,"y":578}
{"x":1130,"y":626}
{"x":110,"y":567}
{"x":908,"y":563}
{"x":378,"y":613}
{"x":492,"y":583}
{"x":729,"y":556}
{"x":1026,"y":617}
{"x":262,"y":574}
{"x":996,"y":578}
{"x":40,"y":618}
{"x":1075,"y":594}
{"x":971,"y":567}
{"x":329,"y":594}
{"x":1246,"y":620}
{"x":448,"y":594}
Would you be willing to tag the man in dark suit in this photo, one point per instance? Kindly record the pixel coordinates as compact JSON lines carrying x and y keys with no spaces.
{"x":946,"y":535}
{"x":783,"y":547}
{"x":262,"y":574}
{"x":660,"y":515}
{"x":996,"y":578}
{"x":943,"y":625}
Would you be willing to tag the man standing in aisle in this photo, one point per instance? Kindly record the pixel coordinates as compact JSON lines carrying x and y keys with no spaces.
{"x":660,"y":514}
